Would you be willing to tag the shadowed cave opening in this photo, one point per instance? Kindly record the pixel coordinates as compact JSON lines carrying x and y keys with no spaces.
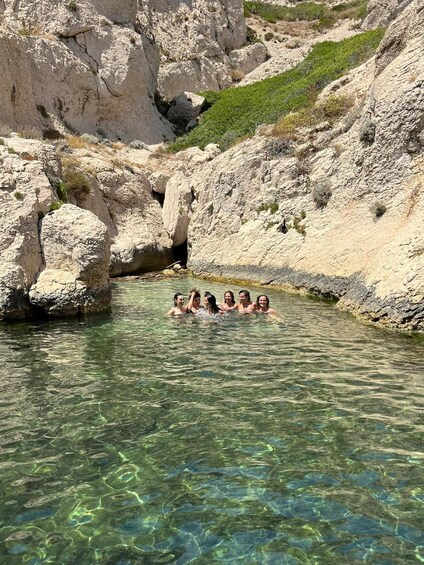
{"x":180,"y":253}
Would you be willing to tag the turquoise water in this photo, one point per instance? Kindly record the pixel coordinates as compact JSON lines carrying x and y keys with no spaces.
{"x":136,"y":439}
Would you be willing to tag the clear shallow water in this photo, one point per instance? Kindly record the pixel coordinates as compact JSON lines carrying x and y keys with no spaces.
{"x":136,"y":439}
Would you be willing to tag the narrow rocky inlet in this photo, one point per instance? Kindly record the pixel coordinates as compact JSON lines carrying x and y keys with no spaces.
{"x":137,"y":134}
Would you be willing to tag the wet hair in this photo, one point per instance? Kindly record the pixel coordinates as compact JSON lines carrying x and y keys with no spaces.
{"x":232,"y":295}
{"x":176,"y":295}
{"x":260,"y":296}
{"x":246,"y":292}
{"x":207,"y":293}
{"x":212,"y":303}
{"x":196,"y":292}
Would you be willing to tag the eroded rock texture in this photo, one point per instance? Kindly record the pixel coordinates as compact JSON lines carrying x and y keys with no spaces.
{"x":340,"y":216}
{"x":83,"y":67}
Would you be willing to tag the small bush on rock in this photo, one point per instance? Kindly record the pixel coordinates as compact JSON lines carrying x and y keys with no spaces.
{"x":72,"y":7}
{"x":74,"y":179}
{"x":367,"y":132}
{"x":321,"y":193}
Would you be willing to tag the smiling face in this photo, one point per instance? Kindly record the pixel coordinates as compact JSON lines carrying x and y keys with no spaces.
{"x":196,"y":301}
{"x":228,"y":299}
{"x":263,"y":302}
{"x":244,"y":299}
{"x":179,"y":301}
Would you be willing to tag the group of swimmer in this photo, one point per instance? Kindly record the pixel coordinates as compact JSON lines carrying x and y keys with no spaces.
{"x":211,"y":308}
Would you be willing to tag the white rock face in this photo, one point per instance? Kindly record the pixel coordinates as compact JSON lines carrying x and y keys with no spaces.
{"x":195,"y":37}
{"x":87,"y":70}
{"x":54,"y":261}
{"x":249,"y":58}
{"x":76,"y":251}
{"x":382,"y":12}
{"x":25,"y":194}
{"x":349,"y":216}
{"x":177,"y":208}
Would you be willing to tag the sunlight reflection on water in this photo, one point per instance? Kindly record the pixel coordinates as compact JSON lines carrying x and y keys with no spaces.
{"x":134,"y":438}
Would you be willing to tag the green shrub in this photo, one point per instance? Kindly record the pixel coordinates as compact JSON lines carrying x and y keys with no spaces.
{"x":268,"y":36}
{"x":298,"y":226}
{"x":331,"y":109}
{"x":241,"y":110}
{"x":75,"y":180}
{"x":11,"y":151}
{"x":251,"y":36}
{"x":272,"y":207}
{"x":324,"y":16}
{"x":61,"y":191}
{"x":367,"y":132}
{"x":56,"y":205}
{"x":18,"y":195}
{"x":1,"y":141}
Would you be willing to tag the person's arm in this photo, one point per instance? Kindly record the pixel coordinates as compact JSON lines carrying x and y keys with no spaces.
{"x":190,"y":301}
{"x":171,"y":312}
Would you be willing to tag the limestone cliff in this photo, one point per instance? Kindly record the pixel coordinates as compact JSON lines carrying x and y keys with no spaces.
{"x":195,"y":38}
{"x":92,"y":66}
{"x":339,"y":215}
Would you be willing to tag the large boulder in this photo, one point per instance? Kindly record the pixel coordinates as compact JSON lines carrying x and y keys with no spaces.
{"x":76,"y":251}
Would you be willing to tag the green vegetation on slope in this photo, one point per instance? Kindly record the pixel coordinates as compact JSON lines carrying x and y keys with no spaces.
{"x":237,"y":112}
{"x":308,"y":11}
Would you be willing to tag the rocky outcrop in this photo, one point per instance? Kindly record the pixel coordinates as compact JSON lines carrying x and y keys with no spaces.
{"x":382,"y":12}
{"x":56,"y":262}
{"x":340,"y":215}
{"x":195,"y":38}
{"x":81,"y":67}
{"x":75,"y":278}
{"x":92,"y":66}
{"x":121,"y":196}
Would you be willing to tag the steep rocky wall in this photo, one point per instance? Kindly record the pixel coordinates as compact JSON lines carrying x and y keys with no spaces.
{"x":82,"y":69}
{"x":350,"y":203}
{"x":195,"y":38}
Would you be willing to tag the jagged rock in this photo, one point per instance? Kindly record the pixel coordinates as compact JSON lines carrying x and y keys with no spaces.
{"x":248,"y":58}
{"x":192,"y":75}
{"x":185,"y":107}
{"x":25,"y":196}
{"x":159,"y":181}
{"x":177,"y":208}
{"x":382,"y":12}
{"x":195,"y":37}
{"x":75,"y":69}
{"x":406,"y":28}
{"x":122,"y":199}
{"x":76,"y":250}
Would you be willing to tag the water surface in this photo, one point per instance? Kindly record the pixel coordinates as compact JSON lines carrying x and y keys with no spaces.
{"x":131,"y":438}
